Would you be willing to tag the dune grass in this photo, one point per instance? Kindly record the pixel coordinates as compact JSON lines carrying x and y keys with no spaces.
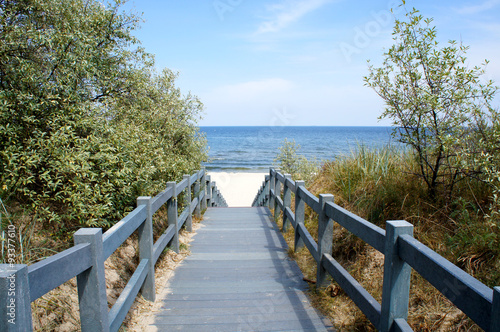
{"x":381,"y":185}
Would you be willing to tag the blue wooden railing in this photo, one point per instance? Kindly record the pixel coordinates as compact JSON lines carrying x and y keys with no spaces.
{"x":21,"y":284}
{"x":402,"y":252}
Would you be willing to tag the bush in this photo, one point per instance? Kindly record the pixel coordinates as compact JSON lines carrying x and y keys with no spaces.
{"x":86,"y":125}
{"x":289,"y":162}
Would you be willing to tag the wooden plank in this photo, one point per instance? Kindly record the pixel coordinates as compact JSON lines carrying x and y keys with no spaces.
{"x":290,"y":184}
{"x":309,"y":198}
{"x":162,"y":242}
{"x":365,"y":230}
{"x":117,"y":234}
{"x":246,"y":283}
{"x":368,"y":305}
{"x":467,"y":293}
{"x":401,"y":325}
{"x":161,"y":199}
{"x":181,"y":186}
{"x":55,"y":270}
{"x":183,"y":217}
{"x":279,"y":201}
{"x":127,"y":297}
{"x":311,"y":245}
{"x":290,"y":216}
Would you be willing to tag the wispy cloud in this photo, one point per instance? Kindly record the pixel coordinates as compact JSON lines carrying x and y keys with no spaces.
{"x":288,"y":12}
{"x":478,"y":8}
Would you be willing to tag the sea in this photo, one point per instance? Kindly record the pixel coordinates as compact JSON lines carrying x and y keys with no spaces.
{"x":254,"y":149}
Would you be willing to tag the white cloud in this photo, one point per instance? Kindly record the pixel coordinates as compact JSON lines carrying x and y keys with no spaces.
{"x":289,"y":12}
{"x":478,"y":8}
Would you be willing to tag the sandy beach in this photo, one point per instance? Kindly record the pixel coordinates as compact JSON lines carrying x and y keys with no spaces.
{"x":239,"y":189}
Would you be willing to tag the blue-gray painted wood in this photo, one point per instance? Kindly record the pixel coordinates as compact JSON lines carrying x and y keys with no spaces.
{"x":401,"y":325}
{"x":196,"y":200}
{"x":272,"y":183}
{"x":300,"y":209}
{"x":209,"y":190}
{"x":15,"y":299}
{"x":55,"y":270}
{"x":203,"y":189}
{"x":162,"y":242}
{"x":122,"y":305}
{"x":325,"y":238}
{"x":309,"y":199}
{"x":238,"y":278}
{"x":92,"y":284}
{"x":364,"y":300}
{"x":172,"y":216}
{"x":116,"y":235}
{"x":495,"y":310}
{"x":187,"y":199}
{"x":279,"y":207}
{"x":290,"y":184}
{"x":397,"y":273}
{"x":365,"y":230}
{"x":161,"y":199}
{"x":183,"y":217}
{"x":467,"y":293}
{"x":194,"y":205}
{"x":181,"y":185}
{"x":308,"y":241}
{"x":146,"y":242}
{"x":290,"y":219}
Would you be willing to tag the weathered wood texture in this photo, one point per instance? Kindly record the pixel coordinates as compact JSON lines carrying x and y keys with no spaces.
{"x":238,"y":278}
{"x":402,"y":252}
{"x":86,"y":259}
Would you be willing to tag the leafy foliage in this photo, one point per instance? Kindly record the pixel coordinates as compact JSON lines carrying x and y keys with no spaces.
{"x":295,"y":164}
{"x":438,"y":105}
{"x":86,"y":125}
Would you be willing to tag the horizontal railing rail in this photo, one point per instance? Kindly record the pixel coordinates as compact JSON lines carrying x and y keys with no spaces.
{"x":401,"y":253}
{"x":21,"y":284}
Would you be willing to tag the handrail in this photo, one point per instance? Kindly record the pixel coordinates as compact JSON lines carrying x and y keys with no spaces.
{"x":401,"y":251}
{"x":21,"y":284}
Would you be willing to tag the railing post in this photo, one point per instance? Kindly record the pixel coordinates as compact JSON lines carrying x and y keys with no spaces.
{"x":300,"y":211}
{"x":209,"y":191}
{"x":215,"y":199}
{"x":92,"y":284}
{"x":15,"y":301}
{"x":197,"y":188}
{"x":272,"y":176}
{"x":267,"y":187}
{"x":325,"y":238}
{"x":287,"y":201}
{"x":495,"y":310}
{"x":397,"y":273}
{"x":204,"y":189}
{"x":172,"y":216}
{"x":277,"y":191}
{"x":146,"y":241}
{"x":189,"y":220}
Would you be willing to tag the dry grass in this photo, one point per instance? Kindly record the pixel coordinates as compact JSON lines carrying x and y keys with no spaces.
{"x":58,"y":310}
{"x":380,"y":186}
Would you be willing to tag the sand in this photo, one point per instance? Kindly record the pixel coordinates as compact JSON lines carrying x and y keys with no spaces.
{"x":239,"y":189}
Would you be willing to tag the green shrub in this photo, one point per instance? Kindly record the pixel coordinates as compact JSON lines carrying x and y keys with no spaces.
{"x":86,"y":125}
{"x":289,"y":162}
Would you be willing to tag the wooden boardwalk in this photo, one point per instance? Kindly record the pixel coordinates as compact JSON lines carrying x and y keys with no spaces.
{"x":237,"y":278}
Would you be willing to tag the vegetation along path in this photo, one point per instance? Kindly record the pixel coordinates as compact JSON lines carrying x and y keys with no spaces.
{"x":237,"y":278}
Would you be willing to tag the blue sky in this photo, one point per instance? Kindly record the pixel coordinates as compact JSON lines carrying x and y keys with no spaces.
{"x":296,"y":62}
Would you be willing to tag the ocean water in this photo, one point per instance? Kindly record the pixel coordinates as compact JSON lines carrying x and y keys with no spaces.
{"x":253,"y":149}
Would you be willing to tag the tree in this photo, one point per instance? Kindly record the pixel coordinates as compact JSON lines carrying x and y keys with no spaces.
{"x":437,"y":104}
{"x":86,"y":125}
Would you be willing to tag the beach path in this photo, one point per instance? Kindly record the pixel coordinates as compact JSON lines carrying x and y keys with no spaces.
{"x":238,"y":278}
